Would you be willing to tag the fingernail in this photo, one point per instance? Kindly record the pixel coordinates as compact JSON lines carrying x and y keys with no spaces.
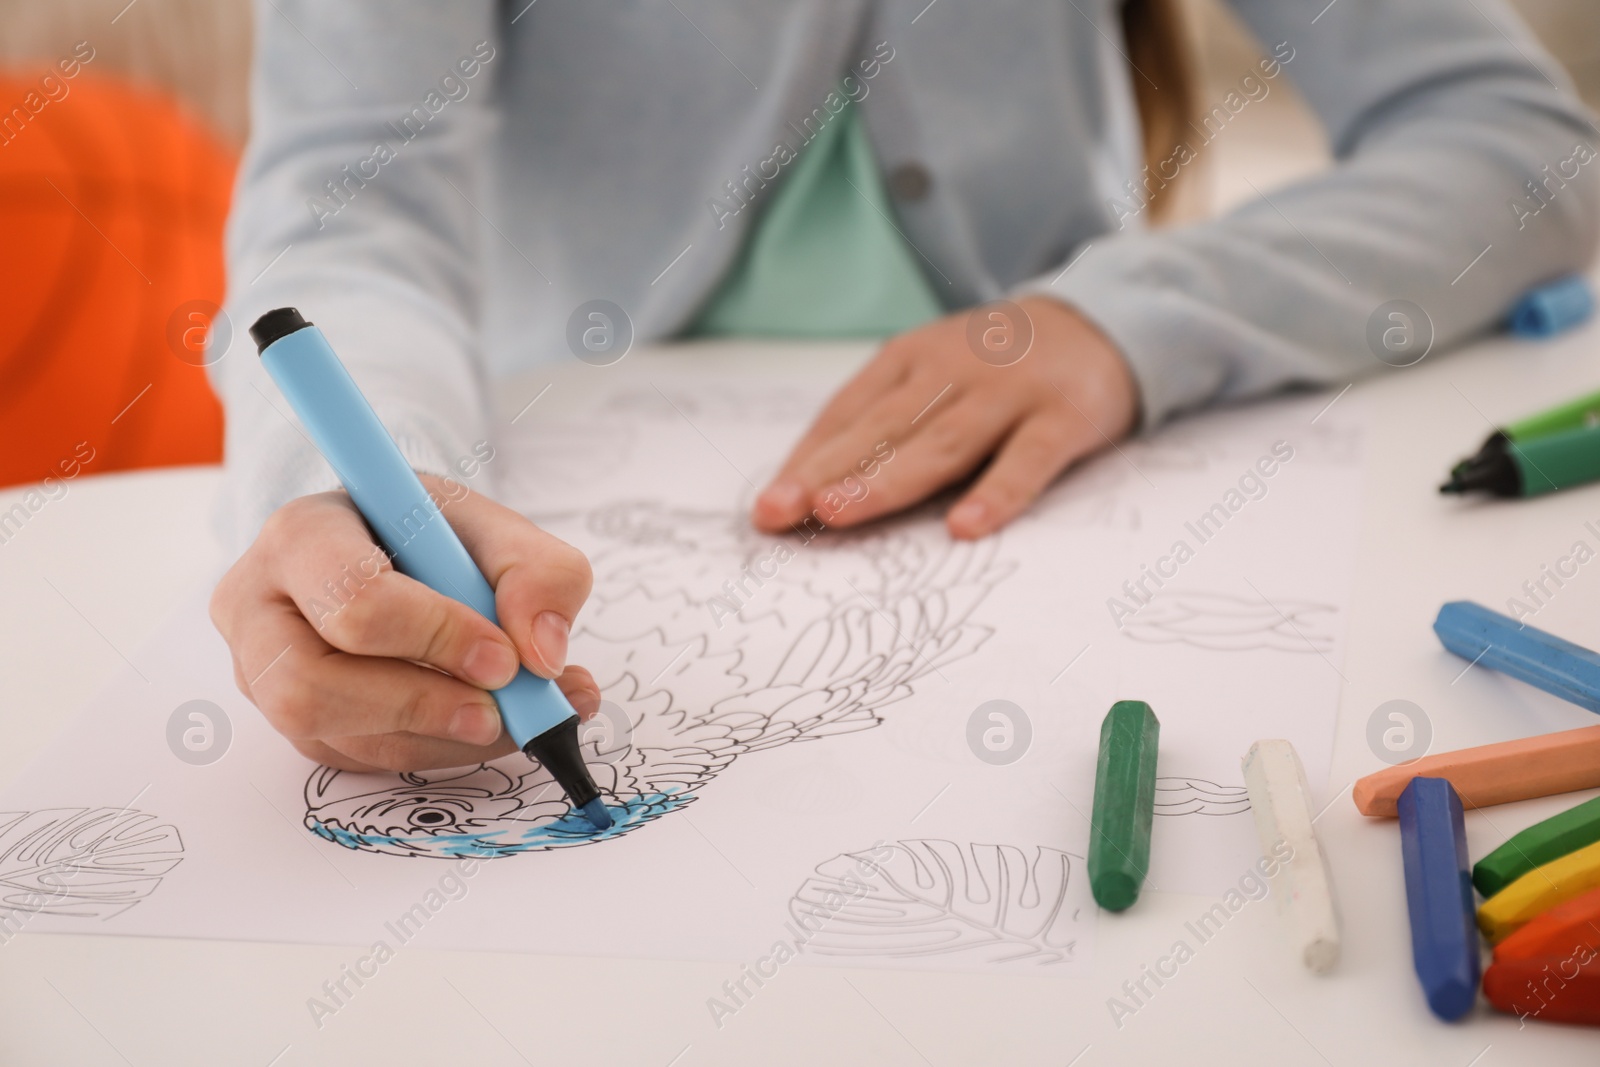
{"x":785,"y":497}
{"x":490,"y":664}
{"x":969,"y":516}
{"x":550,"y":632}
{"x":475,"y":724}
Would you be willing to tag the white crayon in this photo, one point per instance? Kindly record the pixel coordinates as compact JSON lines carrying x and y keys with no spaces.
{"x":1281,"y":801}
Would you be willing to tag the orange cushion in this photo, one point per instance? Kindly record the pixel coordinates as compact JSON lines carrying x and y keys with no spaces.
{"x":112,"y":203}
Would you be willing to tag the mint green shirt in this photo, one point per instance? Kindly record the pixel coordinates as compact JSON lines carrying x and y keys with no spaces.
{"x":824,"y":259}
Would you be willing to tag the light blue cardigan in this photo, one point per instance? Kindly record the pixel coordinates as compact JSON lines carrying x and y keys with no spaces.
{"x":440,"y":185}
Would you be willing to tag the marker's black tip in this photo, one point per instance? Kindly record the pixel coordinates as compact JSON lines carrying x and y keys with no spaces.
{"x":279,"y":322}
{"x":557,"y":748}
{"x":1452,"y":488}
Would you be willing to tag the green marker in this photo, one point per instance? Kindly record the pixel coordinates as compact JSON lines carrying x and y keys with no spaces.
{"x":1584,"y":411}
{"x":1536,"y":846}
{"x":1573,"y":415}
{"x":1532,"y":467}
{"x":1124,"y":804}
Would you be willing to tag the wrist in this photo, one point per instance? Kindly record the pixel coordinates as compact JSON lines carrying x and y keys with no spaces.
{"x":1104,"y":385}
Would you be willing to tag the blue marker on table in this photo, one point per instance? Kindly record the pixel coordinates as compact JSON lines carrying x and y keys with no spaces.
{"x":1553,"y":307}
{"x":1501,"y":643}
{"x":414,"y":531}
{"x":1444,"y":931}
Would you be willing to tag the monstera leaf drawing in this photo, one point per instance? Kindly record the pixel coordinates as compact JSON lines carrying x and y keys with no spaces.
{"x":937,"y":898}
{"x":85,"y":862}
{"x":1196,"y":796}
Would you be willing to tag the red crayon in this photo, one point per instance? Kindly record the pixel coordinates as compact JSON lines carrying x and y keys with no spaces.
{"x":1563,"y":989}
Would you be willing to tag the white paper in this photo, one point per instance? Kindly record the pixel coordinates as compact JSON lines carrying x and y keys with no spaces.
{"x":799,"y":777}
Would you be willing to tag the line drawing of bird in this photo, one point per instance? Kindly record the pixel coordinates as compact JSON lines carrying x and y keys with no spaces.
{"x":714,"y":642}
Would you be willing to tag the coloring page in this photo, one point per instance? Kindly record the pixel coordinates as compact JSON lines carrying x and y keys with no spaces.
{"x":847,"y":747}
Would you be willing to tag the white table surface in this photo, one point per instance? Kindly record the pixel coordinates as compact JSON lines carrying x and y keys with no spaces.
{"x":92,"y":576}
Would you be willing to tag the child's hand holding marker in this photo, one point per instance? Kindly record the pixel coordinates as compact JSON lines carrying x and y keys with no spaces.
{"x":364,"y":668}
{"x":947,"y":400}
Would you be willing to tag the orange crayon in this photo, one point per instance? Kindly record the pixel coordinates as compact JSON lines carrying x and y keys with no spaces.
{"x":1494,"y":774}
{"x":1569,"y":929}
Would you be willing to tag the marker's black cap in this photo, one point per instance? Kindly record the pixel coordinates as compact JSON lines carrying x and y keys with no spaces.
{"x":1491,"y":470}
{"x":279,"y":322}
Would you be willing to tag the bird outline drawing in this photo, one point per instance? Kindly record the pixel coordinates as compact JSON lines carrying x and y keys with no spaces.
{"x":712,"y":643}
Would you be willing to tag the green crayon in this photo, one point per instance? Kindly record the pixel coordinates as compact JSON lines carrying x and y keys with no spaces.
{"x":1124,"y":804}
{"x":1538,"y":845}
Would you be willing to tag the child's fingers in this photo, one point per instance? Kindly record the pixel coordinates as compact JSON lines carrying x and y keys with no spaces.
{"x":540,"y":582}
{"x":397,"y":752}
{"x":947,"y":447}
{"x":892,"y":420}
{"x":325,"y":754}
{"x":884,"y":373}
{"x":413,"y":752}
{"x":321,"y":555}
{"x":785,"y":501}
{"x":1030,"y":459}
{"x":310,"y":691}
{"x":581,"y":691}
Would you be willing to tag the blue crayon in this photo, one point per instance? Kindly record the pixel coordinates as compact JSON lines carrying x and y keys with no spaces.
{"x":1553,"y":307}
{"x":1501,"y":643}
{"x":1444,"y":934}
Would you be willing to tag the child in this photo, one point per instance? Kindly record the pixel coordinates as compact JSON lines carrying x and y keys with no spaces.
{"x":444,"y":187}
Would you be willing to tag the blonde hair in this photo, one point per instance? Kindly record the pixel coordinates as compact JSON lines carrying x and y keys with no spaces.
{"x":1161,"y":42}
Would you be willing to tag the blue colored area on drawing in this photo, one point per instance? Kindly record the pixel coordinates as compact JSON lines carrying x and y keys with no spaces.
{"x":1501,"y":643}
{"x":573,"y":828}
{"x":595,"y":811}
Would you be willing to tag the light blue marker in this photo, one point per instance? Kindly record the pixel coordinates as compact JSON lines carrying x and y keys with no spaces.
{"x":1501,"y":643}
{"x":1553,"y":307}
{"x":414,"y":532}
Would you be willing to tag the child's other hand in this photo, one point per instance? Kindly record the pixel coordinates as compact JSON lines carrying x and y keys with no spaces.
{"x":363,"y":668}
{"x":945,"y":411}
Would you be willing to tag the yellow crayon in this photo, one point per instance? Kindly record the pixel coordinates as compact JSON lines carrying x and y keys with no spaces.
{"x":1538,"y":891}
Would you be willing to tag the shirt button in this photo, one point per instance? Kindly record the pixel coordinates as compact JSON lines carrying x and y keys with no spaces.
{"x":910,"y":181}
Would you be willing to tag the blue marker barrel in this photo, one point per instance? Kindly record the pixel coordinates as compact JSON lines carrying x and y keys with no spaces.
{"x":1444,"y":934}
{"x":408,"y":523}
{"x":1552,"y":308}
{"x":1501,"y":643}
